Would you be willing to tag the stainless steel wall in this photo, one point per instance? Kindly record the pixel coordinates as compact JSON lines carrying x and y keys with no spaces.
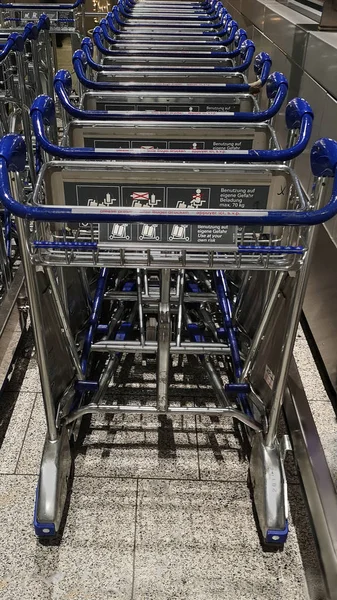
{"x":306,"y":56}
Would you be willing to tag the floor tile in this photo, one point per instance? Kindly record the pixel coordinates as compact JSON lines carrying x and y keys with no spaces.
{"x":197,"y":540}
{"x":20,"y":405}
{"x":312,"y":383}
{"x":136,"y":446}
{"x":30,"y":456}
{"x":220,"y":448}
{"x":94,"y":560}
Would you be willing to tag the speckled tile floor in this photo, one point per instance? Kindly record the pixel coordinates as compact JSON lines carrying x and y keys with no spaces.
{"x":157,"y":510}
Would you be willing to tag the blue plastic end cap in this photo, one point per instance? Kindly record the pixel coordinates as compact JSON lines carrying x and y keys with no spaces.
{"x":295,"y":111}
{"x":87,"y":41}
{"x":13,"y":151}
{"x":260,"y":60}
{"x":277,"y":536}
{"x":274,"y":81}
{"x":44,"y":22}
{"x":64,"y":77}
{"x":79,"y":56}
{"x":31,"y":31}
{"x":19,"y":42}
{"x":45,"y":105}
{"x":323,"y":158}
{"x":232,"y":25}
{"x":245,"y":46}
{"x":42,"y":530}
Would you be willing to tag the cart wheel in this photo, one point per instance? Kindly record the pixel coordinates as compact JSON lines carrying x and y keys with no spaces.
{"x":43,"y":531}
{"x":268,"y":542}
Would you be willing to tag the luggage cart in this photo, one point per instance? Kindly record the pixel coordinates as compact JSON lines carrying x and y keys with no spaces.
{"x":64,"y":18}
{"x":112,"y":104}
{"x":192,"y":131}
{"x":244,"y":224}
{"x":178,"y":33}
{"x":208,"y":14}
{"x":181,"y":10}
{"x":194,"y":24}
{"x":167,"y":60}
{"x":172,"y":144}
{"x":208,"y":81}
{"x":212,"y":69}
{"x":140,"y":44}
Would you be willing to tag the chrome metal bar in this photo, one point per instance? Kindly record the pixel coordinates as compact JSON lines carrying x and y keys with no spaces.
{"x":152,"y":347}
{"x":190,"y":298}
{"x":261,"y":328}
{"x":65,"y":326}
{"x":215,"y":381}
{"x":140,"y":308}
{"x":164,"y":340}
{"x":174,"y":410}
{"x":37,"y":322}
{"x":180,"y":285}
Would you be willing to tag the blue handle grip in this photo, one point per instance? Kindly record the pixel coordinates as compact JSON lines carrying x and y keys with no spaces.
{"x":30,"y":32}
{"x":43,"y":23}
{"x":298,"y":116}
{"x":13,"y":158}
{"x":276,"y":88}
{"x":121,"y":23}
{"x":113,"y":20}
{"x":101,"y":33}
{"x":128,"y":14}
{"x":87,"y":47}
{"x":14,"y":42}
{"x":80,"y":64}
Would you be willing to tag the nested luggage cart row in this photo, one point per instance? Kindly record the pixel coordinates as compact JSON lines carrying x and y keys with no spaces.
{"x":166,"y":221}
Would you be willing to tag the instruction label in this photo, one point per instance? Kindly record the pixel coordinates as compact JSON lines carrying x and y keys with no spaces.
{"x":227,"y":106}
{"x":209,"y":144}
{"x":141,"y":197}
{"x":62,"y":18}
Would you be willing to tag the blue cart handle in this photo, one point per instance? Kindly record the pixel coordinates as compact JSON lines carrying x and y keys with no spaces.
{"x":276,"y":88}
{"x":13,"y":158}
{"x":14,"y":42}
{"x":186,"y":19}
{"x":263,"y":66}
{"x":246,"y":52}
{"x":54,"y":7}
{"x":208,"y":9}
{"x":101,"y":33}
{"x":299,"y":116}
{"x":211,"y":16}
{"x":116,"y":15}
{"x":30,"y":32}
{"x":111,"y":18}
{"x":43,"y":23}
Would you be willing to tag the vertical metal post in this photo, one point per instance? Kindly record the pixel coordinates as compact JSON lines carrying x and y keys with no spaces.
{"x":38,"y":327}
{"x":164,"y":339}
{"x":296,"y":302}
{"x":25,"y":117}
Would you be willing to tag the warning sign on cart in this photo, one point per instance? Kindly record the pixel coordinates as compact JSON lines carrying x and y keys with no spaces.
{"x":152,"y":197}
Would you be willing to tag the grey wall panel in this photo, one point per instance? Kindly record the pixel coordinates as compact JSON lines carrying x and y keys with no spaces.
{"x":286,"y":35}
{"x":328,"y":128}
{"x":254,"y":11}
{"x":321,"y":63}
